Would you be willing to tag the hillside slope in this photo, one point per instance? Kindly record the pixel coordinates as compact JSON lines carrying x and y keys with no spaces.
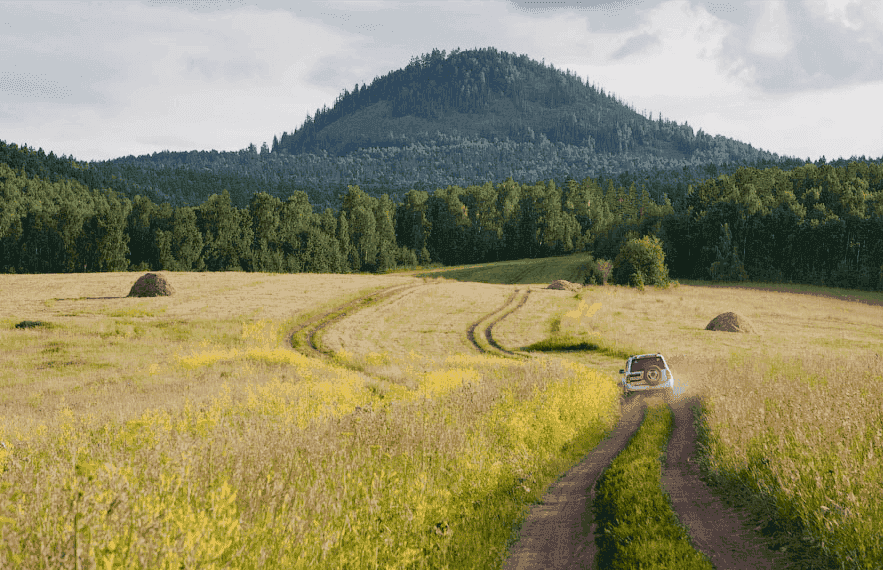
{"x":485,"y":93}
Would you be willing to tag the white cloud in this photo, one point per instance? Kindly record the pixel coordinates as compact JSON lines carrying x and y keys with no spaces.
{"x":104,"y":80}
{"x":772,"y":31}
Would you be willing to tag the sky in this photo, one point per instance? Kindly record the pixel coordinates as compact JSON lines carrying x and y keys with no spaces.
{"x":99,"y":80}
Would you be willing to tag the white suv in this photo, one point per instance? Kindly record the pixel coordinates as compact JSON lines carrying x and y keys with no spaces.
{"x":647,"y":372}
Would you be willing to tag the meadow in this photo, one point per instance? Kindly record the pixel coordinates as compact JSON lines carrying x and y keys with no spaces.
{"x":181,"y":432}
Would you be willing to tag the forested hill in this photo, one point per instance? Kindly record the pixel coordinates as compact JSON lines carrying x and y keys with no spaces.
{"x":484,"y":93}
{"x":448,"y":120}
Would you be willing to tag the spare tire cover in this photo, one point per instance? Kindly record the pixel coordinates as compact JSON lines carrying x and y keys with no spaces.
{"x":654,"y":375}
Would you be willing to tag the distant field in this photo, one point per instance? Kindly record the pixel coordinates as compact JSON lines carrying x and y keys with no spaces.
{"x":156,"y":432}
{"x":518,"y":272}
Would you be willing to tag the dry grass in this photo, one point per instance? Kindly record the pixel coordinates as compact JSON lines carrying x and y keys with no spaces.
{"x":110,"y":354}
{"x":430,"y":321}
{"x":186,"y":436}
{"x":177,"y":431}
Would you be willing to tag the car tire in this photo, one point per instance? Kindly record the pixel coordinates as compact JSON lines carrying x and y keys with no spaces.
{"x":653,"y":376}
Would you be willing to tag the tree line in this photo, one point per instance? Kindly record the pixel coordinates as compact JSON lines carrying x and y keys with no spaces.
{"x":812,"y":224}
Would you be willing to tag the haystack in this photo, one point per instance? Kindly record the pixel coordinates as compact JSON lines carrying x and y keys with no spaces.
{"x":151,"y":285}
{"x":563,"y":285}
{"x":730,"y":322}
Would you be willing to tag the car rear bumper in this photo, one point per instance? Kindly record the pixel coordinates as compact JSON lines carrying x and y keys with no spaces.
{"x":667,"y":385}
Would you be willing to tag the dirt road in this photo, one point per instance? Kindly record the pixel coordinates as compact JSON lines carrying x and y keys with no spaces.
{"x":560,"y":531}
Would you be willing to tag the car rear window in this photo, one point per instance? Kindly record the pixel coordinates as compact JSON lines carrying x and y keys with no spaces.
{"x":643,"y":364}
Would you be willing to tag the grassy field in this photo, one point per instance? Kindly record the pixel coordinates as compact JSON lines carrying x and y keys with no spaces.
{"x":518,"y":272}
{"x":180,"y":432}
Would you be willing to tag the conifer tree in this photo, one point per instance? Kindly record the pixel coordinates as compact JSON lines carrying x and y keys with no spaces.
{"x":727,"y":266}
{"x":347,"y":254}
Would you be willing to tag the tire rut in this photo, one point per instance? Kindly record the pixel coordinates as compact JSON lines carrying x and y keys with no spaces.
{"x":559,"y":531}
{"x":723,"y":534}
{"x":489,"y":331}
{"x":470,"y":333}
{"x":318,"y":323}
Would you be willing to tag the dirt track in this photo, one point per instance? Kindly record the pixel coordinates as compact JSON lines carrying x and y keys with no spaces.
{"x":559,"y":532}
{"x":317,"y":324}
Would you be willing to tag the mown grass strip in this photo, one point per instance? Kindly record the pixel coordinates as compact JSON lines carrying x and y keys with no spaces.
{"x":637,"y":527}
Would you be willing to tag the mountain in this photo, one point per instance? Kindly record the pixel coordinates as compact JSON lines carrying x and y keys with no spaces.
{"x":456,"y":119}
{"x":447,"y":99}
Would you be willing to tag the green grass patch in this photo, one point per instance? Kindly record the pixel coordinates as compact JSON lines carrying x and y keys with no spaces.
{"x":522,"y":271}
{"x":574,"y":343}
{"x":26,"y":324}
{"x":637,"y":527}
{"x":142,"y":310}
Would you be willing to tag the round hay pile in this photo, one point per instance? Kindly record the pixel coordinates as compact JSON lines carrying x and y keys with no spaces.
{"x":151,"y":285}
{"x":730,"y":322}
{"x":563,"y":285}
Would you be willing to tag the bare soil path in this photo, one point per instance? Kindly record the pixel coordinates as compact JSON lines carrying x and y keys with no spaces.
{"x":559,"y":532}
{"x":722,"y":533}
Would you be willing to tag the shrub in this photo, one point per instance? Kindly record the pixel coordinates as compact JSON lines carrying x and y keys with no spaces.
{"x":641,"y":262}
{"x":406,"y":257}
{"x":596,"y":272}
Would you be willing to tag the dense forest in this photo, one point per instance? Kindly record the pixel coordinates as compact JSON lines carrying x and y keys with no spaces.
{"x":485,"y":93}
{"x":817,"y":223}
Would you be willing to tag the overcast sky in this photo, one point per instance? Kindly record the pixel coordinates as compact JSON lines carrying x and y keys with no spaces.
{"x":98,"y":80}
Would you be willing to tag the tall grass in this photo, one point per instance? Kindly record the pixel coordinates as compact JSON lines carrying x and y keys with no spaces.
{"x":799,"y":442}
{"x":326,"y":468}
